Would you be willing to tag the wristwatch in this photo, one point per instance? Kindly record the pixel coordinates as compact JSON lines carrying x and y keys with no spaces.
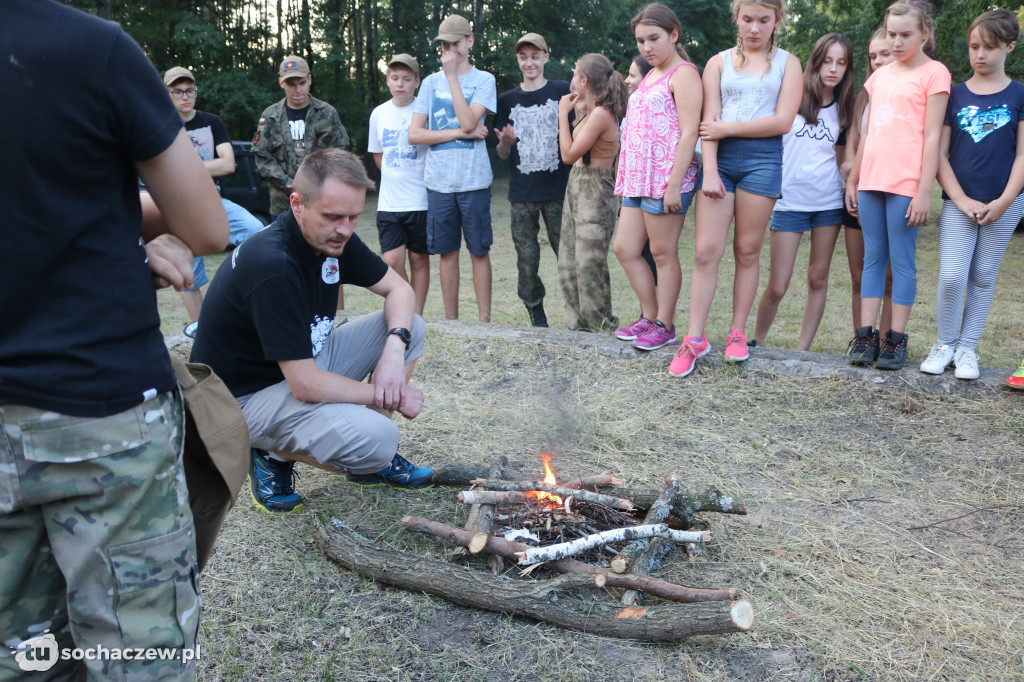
{"x":402,"y":333}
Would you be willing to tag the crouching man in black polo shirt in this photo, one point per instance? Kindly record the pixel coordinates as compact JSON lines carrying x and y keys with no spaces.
{"x":267,"y":329}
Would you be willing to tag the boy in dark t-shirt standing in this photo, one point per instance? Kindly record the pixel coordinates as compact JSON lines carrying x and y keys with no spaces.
{"x":527,"y":128}
{"x":211,"y":142}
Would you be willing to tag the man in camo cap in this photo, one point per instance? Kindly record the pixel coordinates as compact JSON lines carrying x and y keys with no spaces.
{"x":292,"y":129}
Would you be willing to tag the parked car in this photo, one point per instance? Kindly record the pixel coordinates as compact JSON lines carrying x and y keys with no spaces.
{"x":246,"y":187}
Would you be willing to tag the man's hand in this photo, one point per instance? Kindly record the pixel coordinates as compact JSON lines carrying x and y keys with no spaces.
{"x":449,"y":60}
{"x":506,"y":135}
{"x":479,"y":133}
{"x":412,"y":402}
{"x":170,"y":262}
{"x":388,"y":376}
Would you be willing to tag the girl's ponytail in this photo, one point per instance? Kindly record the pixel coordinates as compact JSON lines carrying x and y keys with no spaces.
{"x":605,"y":82}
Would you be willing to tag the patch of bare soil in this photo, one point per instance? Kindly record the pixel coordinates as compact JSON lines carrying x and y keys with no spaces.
{"x":883,"y":541}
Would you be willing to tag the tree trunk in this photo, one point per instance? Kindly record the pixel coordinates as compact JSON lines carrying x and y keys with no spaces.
{"x":480,"y":590}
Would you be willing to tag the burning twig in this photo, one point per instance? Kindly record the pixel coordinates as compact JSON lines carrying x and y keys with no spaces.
{"x":530,"y":486}
{"x":602,"y":576}
{"x":536,"y":555}
{"x":658,"y":512}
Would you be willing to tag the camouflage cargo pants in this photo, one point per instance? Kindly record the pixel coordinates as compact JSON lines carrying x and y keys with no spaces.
{"x":97,"y":547}
{"x":525,"y":228}
{"x":587,"y":227}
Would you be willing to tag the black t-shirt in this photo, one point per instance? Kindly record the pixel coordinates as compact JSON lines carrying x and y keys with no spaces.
{"x":207,"y":132}
{"x":80,"y":333}
{"x":538,"y":173}
{"x":275,"y":300}
{"x":297,"y":121}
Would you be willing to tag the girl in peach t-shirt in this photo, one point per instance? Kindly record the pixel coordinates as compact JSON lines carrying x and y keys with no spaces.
{"x":892,"y":178}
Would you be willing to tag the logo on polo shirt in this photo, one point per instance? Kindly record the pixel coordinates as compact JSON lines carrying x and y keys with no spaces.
{"x":330,"y":271}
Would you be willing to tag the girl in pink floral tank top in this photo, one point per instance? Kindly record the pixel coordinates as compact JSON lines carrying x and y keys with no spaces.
{"x":657,"y":174}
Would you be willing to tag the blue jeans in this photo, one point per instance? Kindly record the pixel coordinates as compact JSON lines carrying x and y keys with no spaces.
{"x":242,"y":224}
{"x":887,"y":237}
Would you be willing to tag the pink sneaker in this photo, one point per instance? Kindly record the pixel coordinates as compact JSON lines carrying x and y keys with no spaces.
{"x":686,"y":357}
{"x":634,"y":330}
{"x":736,"y":346}
{"x":656,"y":337}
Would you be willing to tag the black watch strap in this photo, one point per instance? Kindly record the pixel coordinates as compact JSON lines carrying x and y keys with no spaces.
{"x":402,"y":333}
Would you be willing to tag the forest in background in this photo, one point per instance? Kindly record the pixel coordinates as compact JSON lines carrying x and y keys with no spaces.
{"x":235,"y":46}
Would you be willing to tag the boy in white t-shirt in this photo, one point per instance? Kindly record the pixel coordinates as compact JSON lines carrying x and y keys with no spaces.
{"x":402,"y":201}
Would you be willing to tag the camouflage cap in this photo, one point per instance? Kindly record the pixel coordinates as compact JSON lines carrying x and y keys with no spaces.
{"x":176,"y":73}
{"x":535,"y":39}
{"x":406,"y":60}
{"x":452,"y":29}
{"x":293,"y":67}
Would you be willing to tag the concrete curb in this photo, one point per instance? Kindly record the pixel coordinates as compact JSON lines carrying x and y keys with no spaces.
{"x":770,"y":360}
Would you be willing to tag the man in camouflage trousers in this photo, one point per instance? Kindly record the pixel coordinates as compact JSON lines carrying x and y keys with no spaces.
{"x":97,"y":542}
{"x":291,"y":129}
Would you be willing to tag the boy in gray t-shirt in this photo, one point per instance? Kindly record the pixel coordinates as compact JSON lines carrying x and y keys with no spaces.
{"x":449,"y":117}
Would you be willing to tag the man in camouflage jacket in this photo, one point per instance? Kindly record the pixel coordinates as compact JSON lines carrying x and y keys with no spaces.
{"x":292,"y":129}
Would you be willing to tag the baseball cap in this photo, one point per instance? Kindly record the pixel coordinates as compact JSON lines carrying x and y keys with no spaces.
{"x":293,"y":67}
{"x":534,"y":39}
{"x":452,"y":29}
{"x":177,"y":73}
{"x":408,"y":61}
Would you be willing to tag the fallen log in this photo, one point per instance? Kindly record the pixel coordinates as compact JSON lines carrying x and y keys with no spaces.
{"x":684,"y":506}
{"x":585,"y":495}
{"x":469,"y":587}
{"x":536,"y":555}
{"x":658,"y":512}
{"x":508,"y":549}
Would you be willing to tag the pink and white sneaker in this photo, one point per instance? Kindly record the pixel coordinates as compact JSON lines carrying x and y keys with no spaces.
{"x":656,"y":337}
{"x":686,"y":357}
{"x":736,"y":346}
{"x":634,"y":330}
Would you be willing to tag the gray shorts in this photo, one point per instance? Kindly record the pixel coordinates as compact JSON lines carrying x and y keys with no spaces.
{"x":349,"y":438}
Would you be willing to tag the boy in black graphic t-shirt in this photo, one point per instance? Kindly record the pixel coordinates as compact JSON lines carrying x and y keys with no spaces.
{"x":527,"y":128}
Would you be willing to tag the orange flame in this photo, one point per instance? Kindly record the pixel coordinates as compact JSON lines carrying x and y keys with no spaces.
{"x":549,"y":479}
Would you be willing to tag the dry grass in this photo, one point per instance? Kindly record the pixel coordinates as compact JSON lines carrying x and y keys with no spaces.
{"x":1001,"y":344}
{"x":842,"y":589}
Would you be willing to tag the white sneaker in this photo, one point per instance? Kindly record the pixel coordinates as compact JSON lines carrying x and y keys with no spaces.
{"x":966,"y":362}
{"x":938,"y":360}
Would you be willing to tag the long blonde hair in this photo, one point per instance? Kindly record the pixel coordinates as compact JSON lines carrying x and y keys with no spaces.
{"x":780,"y":16}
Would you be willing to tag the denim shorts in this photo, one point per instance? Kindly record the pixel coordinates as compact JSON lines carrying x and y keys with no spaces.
{"x":452,"y":215}
{"x":657,"y":206}
{"x":803,"y":221}
{"x":754,"y":164}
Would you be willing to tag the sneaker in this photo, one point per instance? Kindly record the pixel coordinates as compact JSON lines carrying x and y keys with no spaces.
{"x":656,"y":337}
{"x":1016,"y":380}
{"x":939,"y":358}
{"x":966,"y":361}
{"x":190,"y":329}
{"x":634,"y":330}
{"x":893,"y":353}
{"x":401,"y":473}
{"x":736,"y":346}
{"x":686,"y":357}
{"x":863,"y":348}
{"x":270,"y":483}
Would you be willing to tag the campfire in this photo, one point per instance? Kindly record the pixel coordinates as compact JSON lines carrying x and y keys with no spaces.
{"x":593,"y":531}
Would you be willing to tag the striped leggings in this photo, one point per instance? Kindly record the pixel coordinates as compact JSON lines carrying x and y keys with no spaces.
{"x":969,"y":262}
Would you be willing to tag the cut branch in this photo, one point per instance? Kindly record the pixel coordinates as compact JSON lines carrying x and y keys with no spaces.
{"x":658,"y":512}
{"x":600,"y":481}
{"x":536,"y":555}
{"x":585,"y":495}
{"x":481,"y":515}
{"x":463,"y":585}
{"x":491,"y":497}
{"x":508,"y":549}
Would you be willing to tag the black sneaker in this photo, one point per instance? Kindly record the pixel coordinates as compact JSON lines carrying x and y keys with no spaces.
{"x":863,"y":348}
{"x":401,"y":473}
{"x":537,"y":316}
{"x":270,"y":483}
{"x":894,"y":351}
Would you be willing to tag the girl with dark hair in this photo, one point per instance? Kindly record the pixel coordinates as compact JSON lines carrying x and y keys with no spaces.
{"x":588,"y":214}
{"x":657,"y":174}
{"x":812,"y":189}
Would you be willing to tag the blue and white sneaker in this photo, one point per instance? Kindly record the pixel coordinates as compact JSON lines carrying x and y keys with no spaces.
{"x":270,"y":483}
{"x":401,"y":473}
{"x":190,"y":329}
